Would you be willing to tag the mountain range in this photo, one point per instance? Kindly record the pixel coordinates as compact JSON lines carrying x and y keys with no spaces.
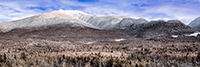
{"x":124,"y":25}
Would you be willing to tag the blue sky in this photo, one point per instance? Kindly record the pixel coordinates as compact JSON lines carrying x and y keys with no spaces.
{"x":184,"y":10}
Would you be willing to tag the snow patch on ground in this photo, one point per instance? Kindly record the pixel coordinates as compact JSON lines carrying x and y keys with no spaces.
{"x":117,"y":40}
{"x":84,"y":42}
{"x":174,"y":36}
{"x":90,"y":42}
{"x":193,"y":34}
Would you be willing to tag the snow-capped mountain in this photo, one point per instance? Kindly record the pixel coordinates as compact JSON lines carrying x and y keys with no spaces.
{"x":46,"y":19}
{"x":195,"y":24}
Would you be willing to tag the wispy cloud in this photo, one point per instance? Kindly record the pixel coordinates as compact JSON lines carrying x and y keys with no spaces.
{"x":13,"y":11}
{"x":184,"y":10}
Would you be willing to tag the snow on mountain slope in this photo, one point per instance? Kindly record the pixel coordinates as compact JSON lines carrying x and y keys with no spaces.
{"x":44,"y":20}
{"x":105,"y":22}
{"x":195,"y":24}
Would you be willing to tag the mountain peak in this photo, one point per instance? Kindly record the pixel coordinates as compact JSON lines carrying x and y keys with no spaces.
{"x":57,"y":14}
{"x":195,"y":24}
{"x":71,"y":12}
{"x":46,"y":19}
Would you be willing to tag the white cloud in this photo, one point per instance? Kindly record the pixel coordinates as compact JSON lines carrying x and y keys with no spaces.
{"x":184,"y":14}
{"x":14,"y":11}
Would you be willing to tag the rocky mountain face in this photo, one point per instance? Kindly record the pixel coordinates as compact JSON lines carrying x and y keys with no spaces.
{"x":195,"y":24}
